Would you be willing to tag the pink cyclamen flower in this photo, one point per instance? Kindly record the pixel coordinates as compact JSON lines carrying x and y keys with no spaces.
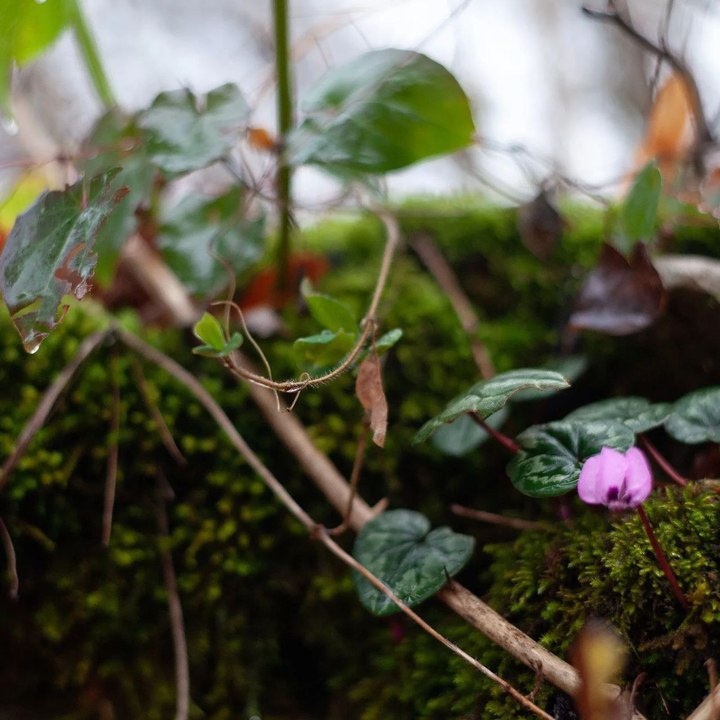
{"x":619,"y":480}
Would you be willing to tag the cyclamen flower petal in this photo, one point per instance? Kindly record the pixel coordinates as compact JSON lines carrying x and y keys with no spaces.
{"x":618,"y":480}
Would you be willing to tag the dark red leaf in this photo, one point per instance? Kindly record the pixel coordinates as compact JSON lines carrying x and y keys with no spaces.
{"x":620,"y":296}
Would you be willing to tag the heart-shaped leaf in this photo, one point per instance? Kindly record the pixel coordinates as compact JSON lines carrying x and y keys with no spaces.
{"x":619,"y":296}
{"x":462,"y":435}
{"x":553,"y":454}
{"x":50,"y":253}
{"x":639,"y":414}
{"x":487,"y":396}
{"x":695,"y":417}
{"x":382,"y":111}
{"x":414,"y":561}
{"x":185,"y":132}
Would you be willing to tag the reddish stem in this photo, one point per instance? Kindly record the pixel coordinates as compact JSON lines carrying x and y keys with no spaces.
{"x":661,"y":462}
{"x":662,"y":559}
{"x":504,"y":440}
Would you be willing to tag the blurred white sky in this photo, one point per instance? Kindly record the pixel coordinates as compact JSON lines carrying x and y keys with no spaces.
{"x":539,"y":73}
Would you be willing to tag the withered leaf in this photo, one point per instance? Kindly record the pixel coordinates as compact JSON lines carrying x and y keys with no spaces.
{"x":540,"y":225}
{"x":370,"y":393}
{"x":619,"y":296}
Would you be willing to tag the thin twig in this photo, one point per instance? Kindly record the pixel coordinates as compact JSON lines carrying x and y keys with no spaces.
{"x":704,"y":134}
{"x":368,"y":326}
{"x":436,"y":263}
{"x":507,"y":442}
{"x":165,"y":435}
{"x":495,"y":519}
{"x":48,"y":401}
{"x":660,"y":461}
{"x":354,"y":479}
{"x":175,"y":613}
{"x":351,"y":562}
{"x":9,"y":548}
{"x":113,"y":453}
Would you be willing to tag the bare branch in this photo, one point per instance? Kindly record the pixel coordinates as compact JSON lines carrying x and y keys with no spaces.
{"x":9,"y":548}
{"x":113,"y":453}
{"x":495,"y":519}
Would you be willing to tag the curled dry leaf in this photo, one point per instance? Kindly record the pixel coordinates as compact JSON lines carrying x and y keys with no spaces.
{"x":370,"y":393}
{"x":620,"y":296}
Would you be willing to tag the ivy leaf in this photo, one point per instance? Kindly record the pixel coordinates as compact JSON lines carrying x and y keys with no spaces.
{"x":639,"y":414}
{"x":27,"y":28}
{"x":197,"y":234}
{"x":553,"y":454}
{"x":208,"y":330}
{"x":330,"y":313}
{"x":695,"y":417}
{"x":487,"y":396}
{"x":462,"y":435}
{"x":382,"y":111}
{"x":414,"y":561}
{"x":50,"y":253}
{"x":185,"y":132}
{"x":322,"y":351}
{"x":638,"y":213}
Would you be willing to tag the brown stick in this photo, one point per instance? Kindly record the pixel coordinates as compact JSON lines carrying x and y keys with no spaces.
{"x":7,"y":544}
{"x":494,"y":518}
{"x":436,"y":263}
{"x":113,"y":455}
{"x":177,"y":624}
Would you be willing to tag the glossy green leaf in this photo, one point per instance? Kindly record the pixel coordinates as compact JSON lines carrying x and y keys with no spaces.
{"x":116,"y":142}
{"x":695,"y":418}
{"x":202,"y":239}
{"x":185,"y":132}
{"x":209,"y":330}
{"x":232,"y":344}
{"x":27,"y":27}
{"x":414,"y":561}
{"x":462,"y":435}
{"x":324,"y":350}
{"x":552,"y":455}
{"x":571,"y":367}
{"x":388,"y":340}
{"x":487,"y":396}
{"x":382,"y":111}
{"x":638,"y":214}
{"x":330,"y":313}
{"x":50,"y":253}
{"x":639,"y":414}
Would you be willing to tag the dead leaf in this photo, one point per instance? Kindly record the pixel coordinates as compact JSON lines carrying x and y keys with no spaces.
{"x":598,"y":655}
{"x":261,"y":139}
{"x":669,"y":133}
{"x":620,"y":296}
{"x":540,"y":226}
{"x":370,"y":393}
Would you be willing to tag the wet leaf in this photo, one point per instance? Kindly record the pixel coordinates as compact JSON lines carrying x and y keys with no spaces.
{"x":552,"y":454}
{"x":414,"y":561}
{"x":370,"y":393}
{"x":619,"y":297}
{"x":201,"y":239}
{"x":50,"y":253}
{"x":639,"y":414}
{"x":487,"y":396}
{"x":695,"y":417}
{"x":27,"y":27}
{"x":382,"y":111}
{"x":185,"y":132}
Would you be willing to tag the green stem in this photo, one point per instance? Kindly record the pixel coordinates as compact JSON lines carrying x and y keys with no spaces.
{"x":91,"y":56}
{"x":285,"y":124}
{"x":662,"y":559}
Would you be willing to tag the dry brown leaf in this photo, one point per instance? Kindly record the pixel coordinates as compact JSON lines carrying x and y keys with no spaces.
{"x":370,"y":393}
{"x":669,"y":132}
